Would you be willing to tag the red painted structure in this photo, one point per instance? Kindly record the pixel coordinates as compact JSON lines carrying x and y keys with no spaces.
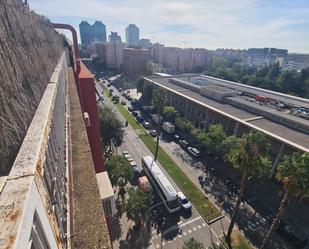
{"x":86,"y":91}
{"x":88,"y":104}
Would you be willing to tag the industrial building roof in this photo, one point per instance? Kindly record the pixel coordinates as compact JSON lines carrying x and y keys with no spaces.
{"x":234,"y":108}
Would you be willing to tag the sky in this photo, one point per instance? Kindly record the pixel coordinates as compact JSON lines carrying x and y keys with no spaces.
{"x":209,"y":24}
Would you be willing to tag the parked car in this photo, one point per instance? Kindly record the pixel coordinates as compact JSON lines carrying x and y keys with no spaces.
{"x":146,"y":125}
{"x":140,"y":119}
{"x":130,"y":109}
{"x":120,"y":89}
{"x":109,"y":84}
{"x":125,"y":152}
{"x":101,"y":98}
{"x":193,"y":151}
{"x":184,"y":202}
{"x":183,"y":144}
{"x":153,"y":133}
{"x":135,"y":114}
{"x":123,"y":102}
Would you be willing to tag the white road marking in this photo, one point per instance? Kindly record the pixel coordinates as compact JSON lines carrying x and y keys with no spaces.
{"x":189,"y":231}
{"x":199,"y":227}
{"x":204,"y":224}
{"x":185,"y":233}
{"x":157,"y":246}
{"x":194,"y":228}
{"x":179,"y":235}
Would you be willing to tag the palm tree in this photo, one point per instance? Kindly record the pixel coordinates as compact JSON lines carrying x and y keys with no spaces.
{"x":250,"y":157}
{"x":159,"y":101}
{"x":294,"y":174}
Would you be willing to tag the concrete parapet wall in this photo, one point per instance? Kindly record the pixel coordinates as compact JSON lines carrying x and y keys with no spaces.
{"x":33,"y":196}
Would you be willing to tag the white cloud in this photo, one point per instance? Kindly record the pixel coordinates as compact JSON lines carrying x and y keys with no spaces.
{"x":215,"y":23}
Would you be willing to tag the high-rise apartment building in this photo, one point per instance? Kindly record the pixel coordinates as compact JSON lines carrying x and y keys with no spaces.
{"x":185,"y":59}
{"x":170,"y":58}
{"x":114,"y":54}
{"x":114,"y":37}
{"x":132,"y":35}
{"x":135,"y":61}
{"x":85,"y":30}
{"x":99,"y":31}
{"x":158,"y":53}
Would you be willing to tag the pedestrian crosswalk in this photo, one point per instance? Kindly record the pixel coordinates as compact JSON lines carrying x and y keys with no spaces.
{"x":187,"y":232}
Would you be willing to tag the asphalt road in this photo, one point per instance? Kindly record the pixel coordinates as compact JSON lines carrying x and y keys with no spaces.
{"x":182,"y":226}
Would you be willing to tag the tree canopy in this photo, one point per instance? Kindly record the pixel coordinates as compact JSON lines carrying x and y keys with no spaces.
{"x":250,"y":155}
{"x":119,"y":170}
{"x":213,"y":140}
{"x":170,"y":113}
{"x":111,"y":129}
{"x":269,"y":77}
{"x":293,"y":172}
{"x":137,"y":204}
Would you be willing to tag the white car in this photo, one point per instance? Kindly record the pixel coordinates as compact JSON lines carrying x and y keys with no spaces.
{"x":184,"y":202}
{"x":193,"y":151}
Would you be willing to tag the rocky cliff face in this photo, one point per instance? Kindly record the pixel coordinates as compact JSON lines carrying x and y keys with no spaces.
{"x":29,"y":51}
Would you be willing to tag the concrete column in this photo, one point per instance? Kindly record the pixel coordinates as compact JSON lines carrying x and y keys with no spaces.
{"x":274,"y":166}
{"x":205,"y":122}
{"x":236,"y":129}
{"x":186,"y":109}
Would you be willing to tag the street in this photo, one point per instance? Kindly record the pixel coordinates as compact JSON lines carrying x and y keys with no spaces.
{"x":192,"y":225}
{"x":214,"y":179}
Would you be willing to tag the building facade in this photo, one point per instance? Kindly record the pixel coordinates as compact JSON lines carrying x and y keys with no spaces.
{"x":114,"y":54}
{"x":99,"y":31}
{"x":132,"y":35}
{"x":135,"y":61}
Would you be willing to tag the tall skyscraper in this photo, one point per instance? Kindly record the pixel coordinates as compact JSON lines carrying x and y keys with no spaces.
{"x":114,"y":37}
{"x":99,"y":31}
{"x":132,"y":35}
{"x":85,"y":30}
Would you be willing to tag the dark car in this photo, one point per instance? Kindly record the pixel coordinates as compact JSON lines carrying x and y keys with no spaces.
{"x":183,"y":144}
{"x":123,"y":102}
{"x":130,"y":109}
{"x":140,"y":119}
{"x":153,"y":133}
{"x":135,"y":114}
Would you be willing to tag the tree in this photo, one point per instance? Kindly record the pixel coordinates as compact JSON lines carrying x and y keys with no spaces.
{"x":249,"y":156}
{"x":111,"y":129}
{"x":213,"y":140}
{"x":193,"y":244}
{"x":159,"y":101}
{"x":119,"y":170}
{"x":294,"y":174}
{"x":138,"y":204}
{"x":140,"y":85}
{"x":170,"y":113}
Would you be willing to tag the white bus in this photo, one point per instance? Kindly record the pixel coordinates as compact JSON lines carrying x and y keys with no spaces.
{"x":161,"y":184}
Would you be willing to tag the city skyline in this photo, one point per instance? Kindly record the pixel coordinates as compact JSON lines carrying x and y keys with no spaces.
{"x":239,"y":24}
